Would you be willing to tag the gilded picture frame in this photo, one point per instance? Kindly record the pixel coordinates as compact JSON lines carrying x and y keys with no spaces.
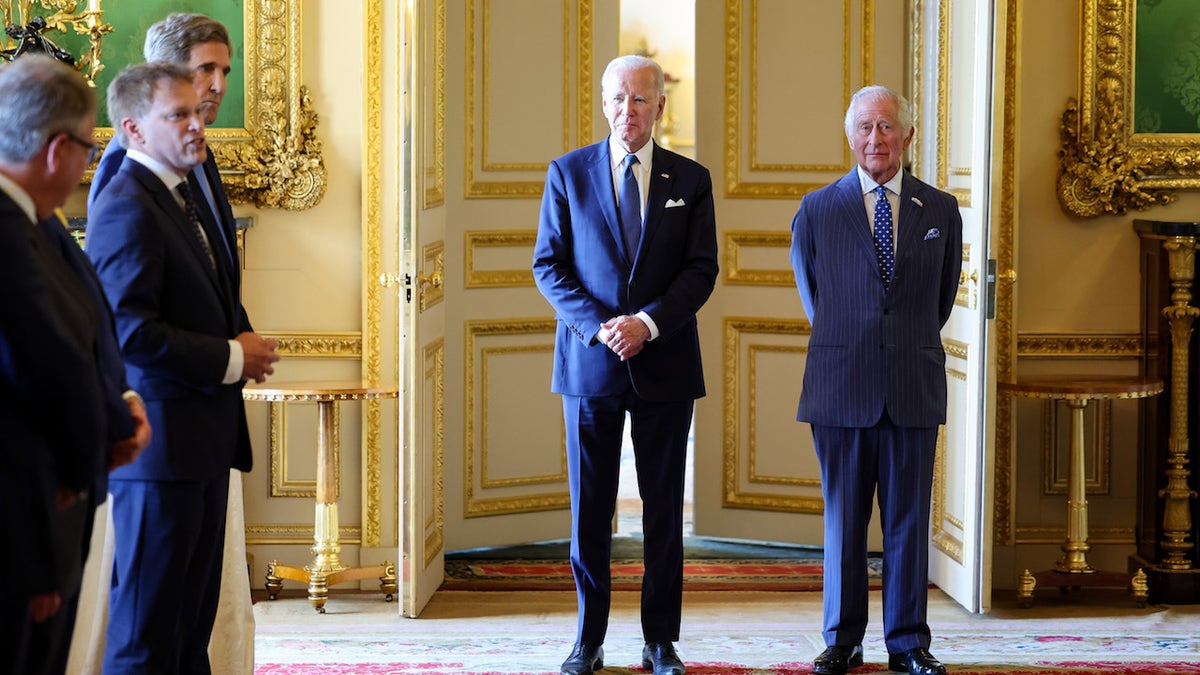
{"x":1105,"y":165}
{"x":273,"y":159}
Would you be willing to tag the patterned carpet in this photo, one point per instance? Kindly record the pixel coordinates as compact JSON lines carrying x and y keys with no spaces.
{"x":699,"y":575}
{"x":709,"y":564}
{"x":724,"y":633}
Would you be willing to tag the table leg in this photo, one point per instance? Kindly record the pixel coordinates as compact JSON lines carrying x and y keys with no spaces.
{"x":326,"y":568}
{"x":1075,"y":548}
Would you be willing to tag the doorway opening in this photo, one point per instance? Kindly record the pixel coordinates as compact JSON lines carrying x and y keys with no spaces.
{"x":666,"y":32}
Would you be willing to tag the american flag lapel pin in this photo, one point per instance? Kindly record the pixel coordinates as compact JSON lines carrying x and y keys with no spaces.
{"x":918,"y":202}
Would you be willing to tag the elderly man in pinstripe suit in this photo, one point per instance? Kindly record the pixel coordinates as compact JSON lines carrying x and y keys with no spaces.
{"x":874,"y":382}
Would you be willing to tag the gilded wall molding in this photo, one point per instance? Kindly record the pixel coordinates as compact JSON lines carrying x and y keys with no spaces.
{"x":485,"y":161}
{"x":847,"y":157}
{"x":1104,"y":166}
{"x":732,"y":494}
{"x":275,"y":162}
{"x":282,"y":485}
{"x":431,"y":275}
{"x":752,"y":475}
{"x":916,"y":75}
{"x":945,"y":52}
{"x":1006,"y":225}
{"x":582,"y":73}
{"x":1098,"y":449}
{"x":434,"y":357}
{"x":736,"y":60}
{"x":956,"y":348}
{"x":486,"y":482}
{"x":509,"y":278}
{"x":944,"y":540}
{"x":967,"y":294}
{"x":584,"y":55}
{"x":1052,"y":534}
{"x":1080,"y":345}
{"x":323,"y":345}
{"x":474,"y":505}
{"x":276,"y":534}
{"x":433,"y":67}
{"x":737,"y":275}
{"x":372,"y":238}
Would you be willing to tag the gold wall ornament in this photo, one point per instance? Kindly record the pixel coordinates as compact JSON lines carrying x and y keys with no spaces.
{"x":1103,"y":174}
{"x":275,"y":169}
{"x":1104,"y":167}
{"x":68,"y":18}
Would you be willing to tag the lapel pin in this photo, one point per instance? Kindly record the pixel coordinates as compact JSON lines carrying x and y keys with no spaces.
{"x":917,"y":202}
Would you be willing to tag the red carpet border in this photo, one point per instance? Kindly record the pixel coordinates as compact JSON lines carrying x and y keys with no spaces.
{"x":698,"y":575}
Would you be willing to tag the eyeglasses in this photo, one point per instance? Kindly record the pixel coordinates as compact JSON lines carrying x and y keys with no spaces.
{"x":92,"y":148}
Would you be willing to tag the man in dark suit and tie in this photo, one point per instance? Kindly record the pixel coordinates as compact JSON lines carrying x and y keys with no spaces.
{"x":188,"y":351}
{"x":66,"y":414}
{"x":874,"y":380}
{"x":626,"y":254}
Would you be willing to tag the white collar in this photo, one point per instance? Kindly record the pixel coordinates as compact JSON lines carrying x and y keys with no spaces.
{"x":164,"y":173}
{"x":20,"y":196}
{"x":868,"y":184}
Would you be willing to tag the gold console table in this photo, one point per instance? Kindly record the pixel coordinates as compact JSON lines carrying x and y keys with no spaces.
{"x":326,"y":568}
{"x":1072,"y":569}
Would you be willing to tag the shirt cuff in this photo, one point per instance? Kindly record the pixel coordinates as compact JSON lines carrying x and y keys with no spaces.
{"x":649,"y":324}
{"x":237,"y":358}
{"x":131,"y":394}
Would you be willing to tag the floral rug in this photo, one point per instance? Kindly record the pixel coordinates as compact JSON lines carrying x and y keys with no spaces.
{"x":723,"y":633}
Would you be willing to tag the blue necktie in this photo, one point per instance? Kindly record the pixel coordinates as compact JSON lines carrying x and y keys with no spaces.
{"x":883,"y":236}
{"x":630,"y":203}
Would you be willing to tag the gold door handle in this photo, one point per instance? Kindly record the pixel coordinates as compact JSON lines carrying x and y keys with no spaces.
{"x":434,"y":279}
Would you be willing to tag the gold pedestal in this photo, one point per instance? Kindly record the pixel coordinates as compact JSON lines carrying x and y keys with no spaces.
{"x":1072,"y":569}
{"x":326,"y":568}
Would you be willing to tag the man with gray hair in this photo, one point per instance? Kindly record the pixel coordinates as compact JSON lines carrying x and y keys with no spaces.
{"x":52,"y":367}
{"x":188,"y":352}
{"x":626,"y":254}
{"x":876,"y":256}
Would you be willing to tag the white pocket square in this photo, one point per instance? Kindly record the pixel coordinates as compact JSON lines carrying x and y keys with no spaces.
{"x":671,"y":203}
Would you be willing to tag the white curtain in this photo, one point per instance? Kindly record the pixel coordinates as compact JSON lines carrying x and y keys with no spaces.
{"x":231,"y":648}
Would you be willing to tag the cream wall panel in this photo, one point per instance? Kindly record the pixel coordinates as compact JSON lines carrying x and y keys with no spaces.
{"x":795,"y":34}
{"x":522,"y":126}
{"x":511,"y":465}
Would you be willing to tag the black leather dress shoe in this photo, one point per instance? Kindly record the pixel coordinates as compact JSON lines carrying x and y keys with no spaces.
{"x":837,"y":659}
{"x":916,"y":661}
{"x":660,"y":658}
{"x":584,"y":659}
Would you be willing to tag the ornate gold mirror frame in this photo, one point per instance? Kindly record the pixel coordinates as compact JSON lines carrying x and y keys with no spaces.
{"x":1104,"y":167}
{"x":275,"y":159}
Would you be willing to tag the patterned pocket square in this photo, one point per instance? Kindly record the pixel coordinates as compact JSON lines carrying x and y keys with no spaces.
{"x":933,"y":233}
{"x":671,"y":203}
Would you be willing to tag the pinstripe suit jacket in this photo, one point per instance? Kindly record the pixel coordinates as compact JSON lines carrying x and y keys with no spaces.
{"x":872,"y":350}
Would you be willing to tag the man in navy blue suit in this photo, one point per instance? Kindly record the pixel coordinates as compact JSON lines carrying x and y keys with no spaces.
{"x":188,"y":350}
{"x":626,"y":254}
{"x":67,"y":414}
{"x":874,"y":380}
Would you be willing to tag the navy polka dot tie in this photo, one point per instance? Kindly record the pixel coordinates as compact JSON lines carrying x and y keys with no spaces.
{"x":883,"y":236}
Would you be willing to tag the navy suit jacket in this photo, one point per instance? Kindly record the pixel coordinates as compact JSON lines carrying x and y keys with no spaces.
{"x":51,"y":409}
{"x":223,"y":220}
{"x":580,"y":266}
{"x":175,"y":315}
{"x":872,"y":350}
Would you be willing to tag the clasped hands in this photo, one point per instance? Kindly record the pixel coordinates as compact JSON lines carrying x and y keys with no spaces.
{"x":625,"y":335}
{"x":259,"y":354}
